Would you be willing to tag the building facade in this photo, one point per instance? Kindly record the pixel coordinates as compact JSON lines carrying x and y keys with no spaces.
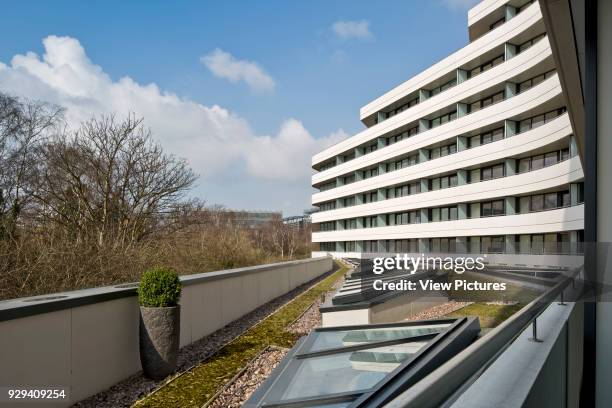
{"x":474,"y":154}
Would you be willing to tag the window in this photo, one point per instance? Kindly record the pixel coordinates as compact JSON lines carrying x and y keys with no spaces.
{"x":551,"y":158}
{"x":401,"y":108}
{"x":440,"y":120}
{"x":443,"y":151}
{"x":330,"y":205}
{"x":348,"y":157}
{"x":443,"y":87}
{"x":370,"y":222}
{"x":327,"y":186}
{"x":349,"y":201}
{"x":486,"y":66}
{"x":492,"y":244}
{"x":524,"y":165}
{"x":497,"y":23}
{"x":409,"y":217}
{"x":492,"y":208}
{"x":489,"y":100}
{"x":327,"y":246}
{"x":537,"y":202}
{"x":537,"y":162}
{"x":487,"y":137}
{"x":492,"y":172}
{"x":370,"y":173}
{"x":538,"y":120}
{"x":349,"y":179}
{"x":327,"y":226}
{"x":531,"y":82}
{"x":527,"y":44}
{"x":327,"y":165}
{"x":350,"y":223}
{"x":550,"y":201}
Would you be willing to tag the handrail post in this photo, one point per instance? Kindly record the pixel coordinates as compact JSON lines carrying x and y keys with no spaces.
{"x":562,"y":303}
{"x":534,"y":328}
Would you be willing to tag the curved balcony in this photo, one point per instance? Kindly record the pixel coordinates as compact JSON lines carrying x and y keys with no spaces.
{"x":542,"y":222}
{"x":515,"y":66}
{"x":522,"y":143}
{"x":495,"y":38}
{"x":560,"y":174}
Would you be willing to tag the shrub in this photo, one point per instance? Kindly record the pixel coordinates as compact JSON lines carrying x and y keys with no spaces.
{"x":159,"y":287}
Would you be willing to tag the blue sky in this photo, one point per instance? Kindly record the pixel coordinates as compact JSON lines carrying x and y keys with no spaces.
{"x":285,"y":71}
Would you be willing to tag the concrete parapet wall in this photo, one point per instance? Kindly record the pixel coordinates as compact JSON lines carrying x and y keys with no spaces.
{"x":87,"y":340}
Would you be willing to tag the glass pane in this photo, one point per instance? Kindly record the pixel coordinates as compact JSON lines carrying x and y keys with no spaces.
{"x":524,"y":165}
{"x":550,"y":159}
{"x":537,"y":162}
{"x":345,"y":372}
{"x":537,"y":202}
{"x":550,"y":201}
{"x":334,"y":339}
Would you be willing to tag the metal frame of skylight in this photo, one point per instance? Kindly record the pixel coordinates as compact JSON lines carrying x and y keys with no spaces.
{"x":285,"y":371}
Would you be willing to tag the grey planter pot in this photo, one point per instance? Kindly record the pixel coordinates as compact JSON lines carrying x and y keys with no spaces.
{"x":160,"y":329}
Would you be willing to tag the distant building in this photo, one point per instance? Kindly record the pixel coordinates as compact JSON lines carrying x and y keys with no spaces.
{"x":254,"y":219}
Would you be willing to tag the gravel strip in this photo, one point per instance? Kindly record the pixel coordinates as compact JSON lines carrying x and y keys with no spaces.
{"x":254,"y":374}
{"x":438,"y":311}
{"x":311,"y":318}
{"x":128,"y":391}
{"x":308,"y":321}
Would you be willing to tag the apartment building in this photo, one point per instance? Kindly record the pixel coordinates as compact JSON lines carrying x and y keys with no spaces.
{"x":474,"y":154}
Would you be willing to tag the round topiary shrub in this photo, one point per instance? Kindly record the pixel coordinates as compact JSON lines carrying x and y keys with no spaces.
{"x":159,"y":287}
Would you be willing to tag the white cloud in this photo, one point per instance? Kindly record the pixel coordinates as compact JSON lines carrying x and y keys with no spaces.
{"x":224,"y":65}
{"x":216,"y":142}
{"x":352,"y":29}
{"x":460,"y":4}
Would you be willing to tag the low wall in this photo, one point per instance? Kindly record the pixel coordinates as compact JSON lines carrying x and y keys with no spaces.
{"x":87,"y":340}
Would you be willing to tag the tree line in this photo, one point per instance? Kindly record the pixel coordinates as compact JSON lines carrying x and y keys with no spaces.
{"x":101,"y":203}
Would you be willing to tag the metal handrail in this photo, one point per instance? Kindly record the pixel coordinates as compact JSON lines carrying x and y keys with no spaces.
{"x":435,"y":389}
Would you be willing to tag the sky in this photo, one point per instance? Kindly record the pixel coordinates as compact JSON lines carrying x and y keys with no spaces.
{"x":247,"y":92}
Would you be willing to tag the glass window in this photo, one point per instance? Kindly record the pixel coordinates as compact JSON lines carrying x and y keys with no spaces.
{"x":550,"y":201}
{"x":486,"y":209}
{"x":537,"y":121}
{"x":487,"y":173}
{"x":453,"y":181}
{"x":525,"y":204}
{"x":487,"y":138}
{"x":444,"y":213}
{"x":550,"y":116}
{"x":435,"y":214}
{"x":435,"y":184}
{"x":537,"y":162}
{"x":565,"y":198}
{"x":550,"y":158}
{"x":498,"y":134}
{"x":453,"y":213}
{"x":497,"y":207}
{"x":565,"y":154}
{"x":537,"y":244}
{"x":444,"y":182}
{"x":537,"y":202}
{"x":524,"y":125}
{"x":538,"y":79}
{"x":524,"y":165}
{"x":525,"y":85}
{"x":498,"y":171}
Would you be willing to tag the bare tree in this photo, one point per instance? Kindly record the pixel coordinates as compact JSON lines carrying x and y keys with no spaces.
{"x":23,"y":126}
{"x":109,"y":182}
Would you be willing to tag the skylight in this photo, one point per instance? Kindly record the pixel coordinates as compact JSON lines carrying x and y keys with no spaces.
{"x":347,"y":366}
